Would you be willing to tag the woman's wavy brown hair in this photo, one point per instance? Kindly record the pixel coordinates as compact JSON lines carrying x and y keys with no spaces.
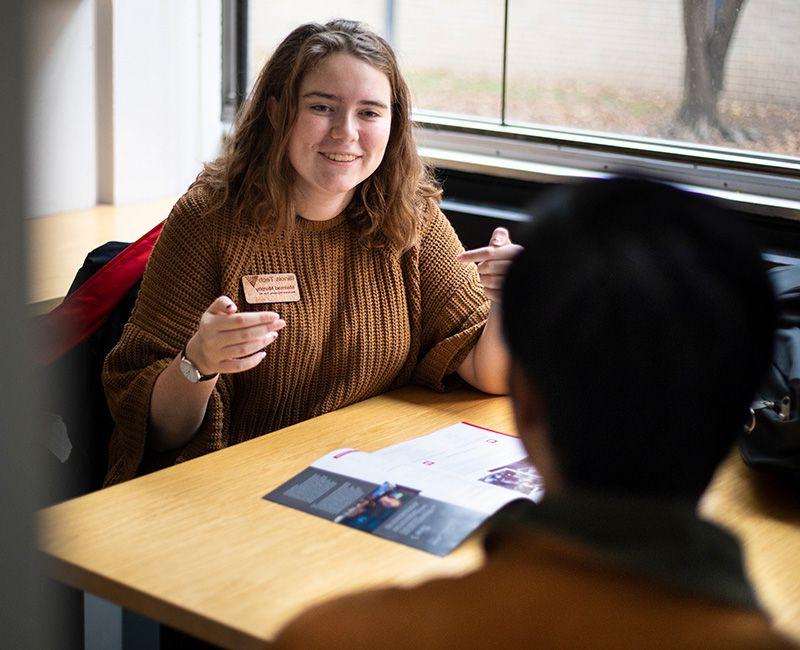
{"x":253,"y":174}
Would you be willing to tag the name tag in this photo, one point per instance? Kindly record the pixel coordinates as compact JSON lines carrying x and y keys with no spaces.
{"x":270,"y":287}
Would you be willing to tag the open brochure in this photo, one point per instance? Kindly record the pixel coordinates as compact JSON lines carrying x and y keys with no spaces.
{"x":430,"y":492}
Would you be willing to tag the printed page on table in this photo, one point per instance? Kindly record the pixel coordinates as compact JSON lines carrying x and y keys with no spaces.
{"x":472,"y":455}
{"x":331,"y":484}
{"x":355,"y":489}
{"x":396,"y":495}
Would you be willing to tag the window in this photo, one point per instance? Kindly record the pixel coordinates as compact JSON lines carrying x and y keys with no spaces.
{"x":429,"y":39}
{"x":702,"y":92}
{"x":619,"y":67}
{"x":271,"y":22}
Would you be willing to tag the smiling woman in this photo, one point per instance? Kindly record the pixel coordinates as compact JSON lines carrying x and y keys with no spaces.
{"x":307,"y":268}
{"x":340,"y":136}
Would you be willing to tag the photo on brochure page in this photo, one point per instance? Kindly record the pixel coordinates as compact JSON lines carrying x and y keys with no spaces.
{"x":520,"y":476}
{"x":371,"y":511}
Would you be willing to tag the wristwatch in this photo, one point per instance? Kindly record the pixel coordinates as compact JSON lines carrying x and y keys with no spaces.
{"x":190,"y":371}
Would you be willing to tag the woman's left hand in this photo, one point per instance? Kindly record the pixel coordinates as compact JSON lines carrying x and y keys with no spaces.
{"x":493,"y":262}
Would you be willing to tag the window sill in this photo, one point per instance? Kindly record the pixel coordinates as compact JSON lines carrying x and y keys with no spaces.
{"x":757,"y":183}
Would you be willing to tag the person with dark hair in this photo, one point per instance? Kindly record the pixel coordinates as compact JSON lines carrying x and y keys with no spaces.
{"x":651,"y":334}
{"x":307,"y":268}
{"x":639,"y":321}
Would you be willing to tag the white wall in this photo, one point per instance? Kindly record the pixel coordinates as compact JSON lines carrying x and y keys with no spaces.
{"x":124,"y":100}
{"x":166,"y":95}
{"x":61,"y":161}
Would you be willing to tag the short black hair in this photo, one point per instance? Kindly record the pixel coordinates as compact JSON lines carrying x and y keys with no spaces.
{"x":644,"y":317}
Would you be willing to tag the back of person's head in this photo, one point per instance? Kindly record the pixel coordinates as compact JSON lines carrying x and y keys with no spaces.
{"x":643,"y":318}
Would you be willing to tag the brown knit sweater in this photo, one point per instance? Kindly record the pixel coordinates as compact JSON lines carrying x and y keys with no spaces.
{"x":367,"y":321}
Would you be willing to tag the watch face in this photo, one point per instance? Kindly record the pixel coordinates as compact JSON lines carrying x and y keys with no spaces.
{"x":189,"y":371}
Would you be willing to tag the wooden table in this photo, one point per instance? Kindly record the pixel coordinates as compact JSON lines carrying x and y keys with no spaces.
{"x":765,"y":515}
{"x":196,"y":547}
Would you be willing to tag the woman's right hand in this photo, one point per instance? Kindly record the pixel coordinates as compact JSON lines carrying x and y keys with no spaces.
{"x":227,"y":341}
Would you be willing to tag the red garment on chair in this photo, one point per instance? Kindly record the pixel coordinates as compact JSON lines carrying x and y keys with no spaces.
{"x":87,"y":308}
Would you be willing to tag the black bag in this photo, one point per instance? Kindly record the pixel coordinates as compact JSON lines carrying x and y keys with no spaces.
{"x":74,"y":339}
{"x":772,"y":441}
{"x":76,"y":414}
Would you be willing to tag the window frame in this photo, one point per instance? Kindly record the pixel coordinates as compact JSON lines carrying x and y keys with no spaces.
{"x":763,"y":184}
{"x":235,"y":36}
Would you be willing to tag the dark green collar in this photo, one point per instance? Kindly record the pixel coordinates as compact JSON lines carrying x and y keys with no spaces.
{"x":661,"y":539}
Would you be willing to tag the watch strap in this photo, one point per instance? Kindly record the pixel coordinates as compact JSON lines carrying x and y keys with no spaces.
{"x":202,"y":377}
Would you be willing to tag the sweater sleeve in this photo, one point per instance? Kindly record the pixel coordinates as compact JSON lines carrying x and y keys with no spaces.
{"x":453,"y":308}
{"x":180,"y":281}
